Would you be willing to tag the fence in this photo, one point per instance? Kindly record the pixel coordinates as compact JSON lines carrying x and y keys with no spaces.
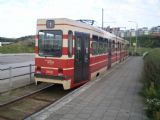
{"x":14,"y":72}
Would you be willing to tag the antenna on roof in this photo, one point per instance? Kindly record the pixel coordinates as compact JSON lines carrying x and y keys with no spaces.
{"x":87,"y":21}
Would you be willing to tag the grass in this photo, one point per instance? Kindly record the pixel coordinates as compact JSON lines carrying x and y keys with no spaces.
{"x":139,"y":51}
{"x":151,"y":81}
{"x":19,"y":47}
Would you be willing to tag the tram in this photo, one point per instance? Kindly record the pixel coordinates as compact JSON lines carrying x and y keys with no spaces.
{"x":71,"y":53}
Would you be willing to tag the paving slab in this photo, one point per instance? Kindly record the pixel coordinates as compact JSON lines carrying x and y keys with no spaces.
{"x":114,"y":96}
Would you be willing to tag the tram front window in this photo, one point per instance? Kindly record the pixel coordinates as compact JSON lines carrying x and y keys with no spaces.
{"x":50,"y":43}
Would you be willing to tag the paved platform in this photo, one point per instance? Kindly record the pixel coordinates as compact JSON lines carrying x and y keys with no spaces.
{"x":115,"y":96}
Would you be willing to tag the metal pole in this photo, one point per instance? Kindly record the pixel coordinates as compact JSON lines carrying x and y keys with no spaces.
{"x":10,"y":78}
{"x":130,"y":42}
{"x":30,"y":71}
{"x":102,"y":17}
{"x":136,"y":34}
{"x":130,"y":39}
{"x":116,"y":44}
{"x":136,"y":37}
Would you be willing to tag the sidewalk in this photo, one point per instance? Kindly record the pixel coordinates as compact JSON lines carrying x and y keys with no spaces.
{"x":114,"y":97}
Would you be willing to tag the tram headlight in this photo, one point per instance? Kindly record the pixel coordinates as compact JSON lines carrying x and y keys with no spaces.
{"x":38,"y":70}
{"x":60,"y":72}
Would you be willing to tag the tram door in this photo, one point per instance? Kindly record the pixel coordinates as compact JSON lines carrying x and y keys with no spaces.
{"x":109,"y":54}
{"x":81,"y":62}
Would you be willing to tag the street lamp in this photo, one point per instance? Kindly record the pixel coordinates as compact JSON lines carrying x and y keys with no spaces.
{"x":136,"y":33}
{"x":130,"y":37}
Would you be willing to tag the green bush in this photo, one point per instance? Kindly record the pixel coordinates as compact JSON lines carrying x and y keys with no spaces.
{"x":153,"y":104}
{"x":151,"y":80}
{"x":146,"y":41}
{"x":152,"y":68}
{"x":139,"y":52}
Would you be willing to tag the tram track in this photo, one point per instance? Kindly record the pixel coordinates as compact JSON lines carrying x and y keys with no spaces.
{"x":25,"y":106}
{"x":21,"y":97}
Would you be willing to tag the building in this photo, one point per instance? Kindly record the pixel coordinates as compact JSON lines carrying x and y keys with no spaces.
{"x":155,"y":31}
{"x":142,"y":31}
{"x":115,"y":31}
{"x":122,"y":33}
{"x":5,"y":43}
{"x":132,"y":32}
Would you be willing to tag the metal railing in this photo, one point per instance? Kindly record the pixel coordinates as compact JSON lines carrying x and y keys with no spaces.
{"x":11,"y":70}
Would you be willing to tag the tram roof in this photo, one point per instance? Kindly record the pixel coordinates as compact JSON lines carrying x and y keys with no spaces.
{"x":66,"y":21}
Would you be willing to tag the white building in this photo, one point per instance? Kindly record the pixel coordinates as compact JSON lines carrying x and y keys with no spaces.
{"x":133,"y":32}
{"x":155,"y":31}
{"x":5,"y":43}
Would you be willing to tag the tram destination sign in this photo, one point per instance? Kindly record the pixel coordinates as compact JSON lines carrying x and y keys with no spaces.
{"x":50,"y":23}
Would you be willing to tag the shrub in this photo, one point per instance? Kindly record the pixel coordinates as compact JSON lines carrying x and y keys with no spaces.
{"x":153,"y":104}
{"x":151,"y":80}
{"x":152,"y":68}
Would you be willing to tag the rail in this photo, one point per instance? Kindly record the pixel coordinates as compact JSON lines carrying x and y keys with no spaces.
{"x":12,"y":68}
{"x":23,"y":96}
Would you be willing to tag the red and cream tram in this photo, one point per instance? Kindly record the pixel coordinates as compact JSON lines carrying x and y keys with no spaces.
{"x":71,"y":53}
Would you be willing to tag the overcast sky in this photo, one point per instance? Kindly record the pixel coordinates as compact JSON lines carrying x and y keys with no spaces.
{"x":18,"y":17}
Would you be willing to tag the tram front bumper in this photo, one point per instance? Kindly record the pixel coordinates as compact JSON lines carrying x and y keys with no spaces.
{"x":66,"y":83}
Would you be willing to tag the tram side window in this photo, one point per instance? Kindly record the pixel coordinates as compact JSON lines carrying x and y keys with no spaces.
{"x":113,"y":46}
{"x":127,"y":46}
{"x":118,"y":46}
{"x":100,"y":49}
{"x":78,"y":48}
{"x":70,"y":43}
{"x":123,"y":46}
{"x":105,"y":45}
{"x":109,"y":45}
{"x":103,"y":50}
{"x":95,"y":45}
{"x":87,"y":45}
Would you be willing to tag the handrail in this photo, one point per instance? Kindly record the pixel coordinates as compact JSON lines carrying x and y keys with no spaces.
{"x":16,"y":67}
{"x":13,"y":76}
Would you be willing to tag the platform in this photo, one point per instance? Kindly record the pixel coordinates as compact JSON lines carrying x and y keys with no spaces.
{"x":115,"y":96}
